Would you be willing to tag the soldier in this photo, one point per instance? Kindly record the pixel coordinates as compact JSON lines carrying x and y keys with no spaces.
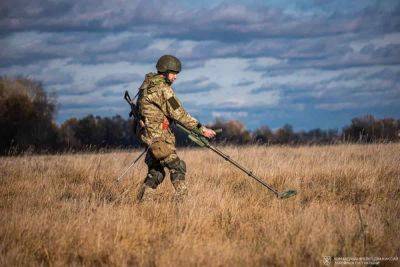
{"x":158,"y":106}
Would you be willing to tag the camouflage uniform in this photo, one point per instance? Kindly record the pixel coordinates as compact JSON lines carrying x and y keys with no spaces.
{"x":158,"y":105}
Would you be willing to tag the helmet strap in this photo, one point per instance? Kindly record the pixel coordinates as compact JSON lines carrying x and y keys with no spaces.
{"x":165,"y":74}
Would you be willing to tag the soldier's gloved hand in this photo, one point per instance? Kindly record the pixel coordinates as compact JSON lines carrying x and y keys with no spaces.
{"x":209,"y":133}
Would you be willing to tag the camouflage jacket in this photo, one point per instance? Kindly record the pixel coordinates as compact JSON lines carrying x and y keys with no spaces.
{"x":158,"y":105}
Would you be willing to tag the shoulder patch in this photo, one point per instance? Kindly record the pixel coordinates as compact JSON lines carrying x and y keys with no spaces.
{"x":174,"y":104}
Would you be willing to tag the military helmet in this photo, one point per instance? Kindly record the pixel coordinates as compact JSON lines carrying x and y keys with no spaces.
{"x":168,"y":63}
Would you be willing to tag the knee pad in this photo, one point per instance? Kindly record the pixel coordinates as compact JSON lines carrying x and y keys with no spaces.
{"x":177,"y":165}
{"x":177,"y":169}
{"x":154,"y":178}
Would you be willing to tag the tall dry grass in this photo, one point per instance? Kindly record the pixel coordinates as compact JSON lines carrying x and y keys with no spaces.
{"x":67,"y":209}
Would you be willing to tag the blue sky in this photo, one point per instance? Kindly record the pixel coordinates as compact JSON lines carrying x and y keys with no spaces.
{"x":312,"y":64}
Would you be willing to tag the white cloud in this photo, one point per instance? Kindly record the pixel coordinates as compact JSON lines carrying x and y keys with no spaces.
{"x":229,"y":115}
{"x":276,"y":56}
{"x":161,"y":44}
{"x":336,"y":106}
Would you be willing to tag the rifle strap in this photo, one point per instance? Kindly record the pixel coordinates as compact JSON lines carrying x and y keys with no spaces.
{"x":136,"y":95}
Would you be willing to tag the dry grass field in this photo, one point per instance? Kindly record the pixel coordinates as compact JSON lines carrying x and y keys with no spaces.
{"x":68,"y":210}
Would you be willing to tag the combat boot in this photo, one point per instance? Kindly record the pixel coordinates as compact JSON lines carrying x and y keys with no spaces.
{"x":181,"y":190}
{"x":145,"y":192}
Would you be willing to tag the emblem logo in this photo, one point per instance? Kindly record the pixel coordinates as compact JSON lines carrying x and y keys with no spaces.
{"x":327,"y":260}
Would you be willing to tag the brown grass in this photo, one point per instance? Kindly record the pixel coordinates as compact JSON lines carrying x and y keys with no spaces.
{"x":67,"y":209}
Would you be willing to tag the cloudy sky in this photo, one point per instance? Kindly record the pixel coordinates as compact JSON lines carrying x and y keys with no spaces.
{"x":315,"y":63}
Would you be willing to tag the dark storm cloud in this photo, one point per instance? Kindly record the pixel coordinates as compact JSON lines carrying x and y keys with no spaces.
{"x":118,"y":79}
{"x":385,"y":74}
{"x":80,"y":48}
{"x":287,"y":90}
{"x":225,"y":22}
{"x":343,"y":91}
{"x":308,"y":111}
{"x":347,"y":76}
{"x":243,"y":83}
{"x":58,"y":78}
{"x":262,"y":89}
{"x":305,"y":52}
{"x":200,"y":85}
{"x":26,"y":58}
{"x":89,"y":15}
{"x":92,"y":32}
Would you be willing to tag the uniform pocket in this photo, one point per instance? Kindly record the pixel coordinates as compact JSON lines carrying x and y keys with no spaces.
{"x":160,"y":150}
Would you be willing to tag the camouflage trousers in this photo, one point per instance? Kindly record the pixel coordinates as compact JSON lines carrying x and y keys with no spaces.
{"x":156,"y":166}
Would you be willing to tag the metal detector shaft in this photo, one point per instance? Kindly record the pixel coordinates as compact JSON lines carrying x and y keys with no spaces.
{"x":248,"y":172}
{"x":133,"y":163}
{"x":197,"y":137}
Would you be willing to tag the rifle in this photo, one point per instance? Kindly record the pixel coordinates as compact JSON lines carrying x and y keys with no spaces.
{"x":133,"y":112}
{"x":197,"y":137}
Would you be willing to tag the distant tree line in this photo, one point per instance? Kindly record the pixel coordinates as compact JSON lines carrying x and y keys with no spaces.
{"x":27,"y":115}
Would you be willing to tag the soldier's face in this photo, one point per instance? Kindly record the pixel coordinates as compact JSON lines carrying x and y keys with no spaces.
{"x":172,"y":76}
